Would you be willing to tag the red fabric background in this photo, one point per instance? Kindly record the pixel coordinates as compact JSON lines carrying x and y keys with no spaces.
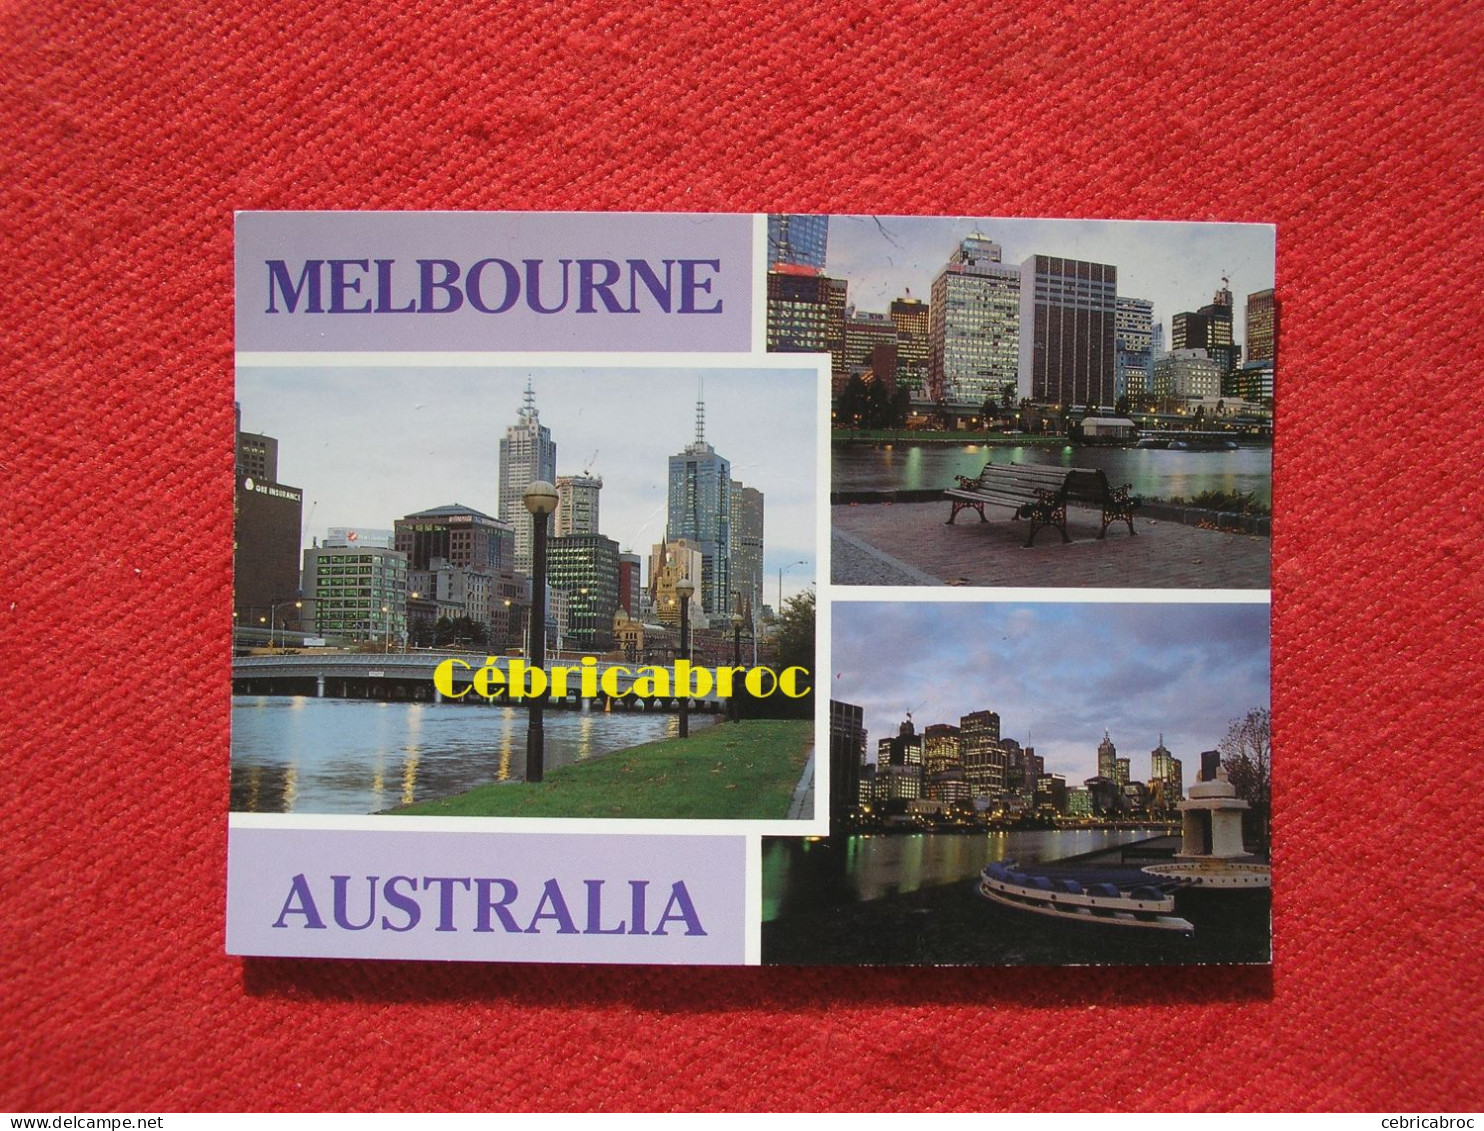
{"x":131,"y":132}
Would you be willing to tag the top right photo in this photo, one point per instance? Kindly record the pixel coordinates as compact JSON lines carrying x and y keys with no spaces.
{"x":1039,"y":403}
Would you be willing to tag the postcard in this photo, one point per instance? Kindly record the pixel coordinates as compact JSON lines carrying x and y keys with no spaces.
{"x":727,"y":589}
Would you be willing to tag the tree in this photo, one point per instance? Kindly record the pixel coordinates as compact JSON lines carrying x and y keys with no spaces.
{"x":1246,"y":755}
{"x":796,"y":632}
{"x":851,"y":403}
{"x":1122,"y":407}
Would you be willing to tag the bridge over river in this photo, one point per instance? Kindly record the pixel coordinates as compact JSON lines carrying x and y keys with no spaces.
{"x":408,"y":677}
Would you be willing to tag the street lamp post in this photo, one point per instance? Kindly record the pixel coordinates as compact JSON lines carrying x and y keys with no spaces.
{"x":273,"y":619}
{"x":779,"y":611}
{"x":737,"y":622}
{"x":540,"y":499}
{"x":386,"y":636}
{"x":684,"y":588}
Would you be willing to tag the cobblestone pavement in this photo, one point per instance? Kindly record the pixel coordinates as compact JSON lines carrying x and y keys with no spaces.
{"x":910,"y":544}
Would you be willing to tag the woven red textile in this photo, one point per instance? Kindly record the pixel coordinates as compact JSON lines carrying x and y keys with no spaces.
{"x":131,"y":133}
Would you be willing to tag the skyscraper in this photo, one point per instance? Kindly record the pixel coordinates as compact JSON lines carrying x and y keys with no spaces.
{"x":864,"y":331}
{"x":800,"y":240}
{"x":1068,"y":312}
{"x":1133,"y":332}
{"x":585,"y":568}
{"x":913,"y":320}
{"x":806,"y":314}
{"x":629,"y":569}
{"x":1210,"y":329}
{"x":527,"y":453}
{"x":265,"y":547}
{"x":700,"y":511}
{"x":973,"y":324}
{"x":1262,"y":326}
{"x":1107,"y":757}
{"x":747,"y":547}
{"x":1166,"y":769}
{"x":984,"y":757}
{"x":847,"y":755}
{"x":577,"y":505}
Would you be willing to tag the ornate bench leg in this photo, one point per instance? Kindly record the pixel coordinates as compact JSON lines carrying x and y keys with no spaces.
{"x":1042,"y":517}
{"x":960,"y":504}
{"x":1120,"y":506}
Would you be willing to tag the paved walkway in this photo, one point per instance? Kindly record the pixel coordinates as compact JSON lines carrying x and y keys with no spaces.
{"x":910,"y":544}
{"x":801,"y":805}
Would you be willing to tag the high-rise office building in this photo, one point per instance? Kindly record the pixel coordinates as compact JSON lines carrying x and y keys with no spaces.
{"x":974,"y":322}
{"x":983,"y":756}
{"x":1166,"y":769}
{"x":1210,"y":329}
{"x":266,"y":538}
{"x":847,"y":756}
{"x":1262,"y":326}
{"x":458,"y":535}
{"x":913,"y":321}
{"x":1107,"y":756}
{"x":461,"y":562}
{"x":806,"y":314}
{"x":864,"y":331}
{"x":799,"y":240}
{"x":940,"y":750}
{"x":747,"y":548}
{"x":1068,"y":318}
{"x":577,"y":504}
{"x":355,"y":592}
{"x":527,"y":453}
{"x":630,"y":566}
{"x":585,"y":568}
{"x":904,"y":749}
{"x":1133,"y":334}
{"x":700,"y":511}
{"x":1257,"y":374}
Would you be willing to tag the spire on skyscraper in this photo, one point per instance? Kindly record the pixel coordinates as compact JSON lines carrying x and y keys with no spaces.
{"x":700,"y":411}
{"x":528,"y":411}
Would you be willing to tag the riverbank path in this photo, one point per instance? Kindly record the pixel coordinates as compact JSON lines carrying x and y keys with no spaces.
{"x":910,"y":544}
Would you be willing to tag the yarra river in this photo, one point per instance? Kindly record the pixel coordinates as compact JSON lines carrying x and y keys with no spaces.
{"x":1153,"y":472}
{"x":296,"y":754}
{"x":804,"y":875}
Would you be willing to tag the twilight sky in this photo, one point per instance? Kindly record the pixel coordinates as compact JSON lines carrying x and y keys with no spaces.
{"x":370,"y":444}
{"x":1177,"y":266}
{"x":1057,"y":673}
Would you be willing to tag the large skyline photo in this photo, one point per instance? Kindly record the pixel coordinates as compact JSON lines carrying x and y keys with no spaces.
{"x":1058,"y":673}
{"x":370,"y":444}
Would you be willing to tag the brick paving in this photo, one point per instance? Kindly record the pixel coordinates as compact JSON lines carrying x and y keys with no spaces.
{"x":910,"y":544}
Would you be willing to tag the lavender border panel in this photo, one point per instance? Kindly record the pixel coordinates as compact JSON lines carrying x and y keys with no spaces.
{"x":688,"y":882}
{"x":466,"y":237}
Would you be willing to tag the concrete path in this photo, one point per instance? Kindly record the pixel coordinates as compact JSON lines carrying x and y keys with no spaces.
{"x":801,"y":806}
{"x":910,"y":544}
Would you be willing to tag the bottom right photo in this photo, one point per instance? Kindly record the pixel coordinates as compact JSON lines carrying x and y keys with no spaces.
{"x":1036,"y":783}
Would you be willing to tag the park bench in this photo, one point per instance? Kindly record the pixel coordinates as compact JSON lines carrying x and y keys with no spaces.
{"x":1040,"y":494}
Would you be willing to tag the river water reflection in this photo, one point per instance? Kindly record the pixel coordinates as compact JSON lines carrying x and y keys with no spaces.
{"x":803,"y":875}
{"x":294,"y":754}
{"x":1154,"y":473}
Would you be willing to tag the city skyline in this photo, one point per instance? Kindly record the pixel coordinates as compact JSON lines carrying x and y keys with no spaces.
{"x":1177,"y":266}
{"x":1058,"y":674}
{"x":400,"y":440}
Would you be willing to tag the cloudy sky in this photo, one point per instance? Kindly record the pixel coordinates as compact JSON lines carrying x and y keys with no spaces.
{"x":1057,"y":673}
{"x":1178,"y":267}
{"x":370,"y":444}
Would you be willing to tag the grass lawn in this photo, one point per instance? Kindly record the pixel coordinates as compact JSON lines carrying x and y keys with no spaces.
{"x":727,"y":770}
